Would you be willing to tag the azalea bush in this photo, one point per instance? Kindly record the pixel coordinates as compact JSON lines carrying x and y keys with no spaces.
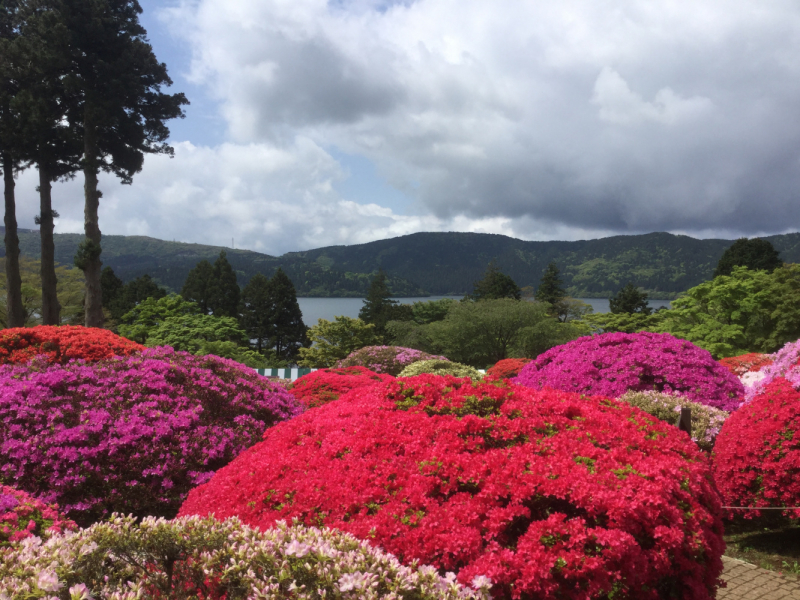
{"x":508,"y":367}
{"x":746,"y":363}
{"x":706,"y":420}
{"x":611,"y":364}
{"x":546,"y":493}
{"x":323,"y":386}
{"x":784,"y":364}
{"x":63,"y":343}
{"x":757,"y":454}
{"x":23,"y":516}
{"x":130,"y":434}
{"x":440,"y":367}
{"x":205,"y":558}
{"x":385,"y":359}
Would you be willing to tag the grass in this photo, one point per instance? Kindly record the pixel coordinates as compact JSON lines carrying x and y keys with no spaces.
{"x":770,"y":542}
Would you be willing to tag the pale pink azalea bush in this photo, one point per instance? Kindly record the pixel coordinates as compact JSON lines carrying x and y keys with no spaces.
{"x":784,"y":364}
{"x":612,"y":364}
{"x":386,"y":359}
{"x":23,"y":516}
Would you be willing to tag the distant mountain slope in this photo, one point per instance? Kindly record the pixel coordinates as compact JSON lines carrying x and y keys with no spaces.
{"x":436,"y":263}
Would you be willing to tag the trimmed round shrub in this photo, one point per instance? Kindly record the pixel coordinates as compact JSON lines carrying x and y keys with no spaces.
{"x":508,"y":367}
{"x":326,"y":385}
{"x":60,"y":344}
{"x":611,"y":364}
{"x":706,"y":420}
{"x":131,"y":435}
{"x":385,"y":359}
{"x":205,"y":558}
{"x":757,"y":454}
{"x":784,"y":364}
{"x":546,"y":493}
{"x":440,"y":367}
{"x":23,"y":516}
{"x":746,"y":363}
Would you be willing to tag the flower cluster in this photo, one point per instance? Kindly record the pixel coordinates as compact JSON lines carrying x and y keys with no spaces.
{"x":63,"y":343}
{"x":546,"y":493}
{"x":440,"y":367}
{"x":216,"y":560}
{"x":22,"y":516}
{"x":706,"y":420}
{"x":757,"y":455}
{"x":614,"y":363}
{"x":129,"y":434}
{"x":508,"y":367}
{"x":385,"y":359}
{"x":746,"y":363}
{"x":784,"y":364}
{"x":326,"y":385}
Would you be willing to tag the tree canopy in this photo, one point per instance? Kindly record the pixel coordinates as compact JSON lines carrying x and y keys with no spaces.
{"x":630,"y":299}
{"x":755,"y":254}
{"x":494,"y":285}
{"x":334,"y":340}
{"x":379,"y":308}
{"x":213,"y":287}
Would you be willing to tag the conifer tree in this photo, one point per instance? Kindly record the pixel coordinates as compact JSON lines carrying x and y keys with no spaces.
{"x":286,"y":319}
{"x":224,"y":291}
{"x":198,"y":286}
{"x":257,"y":311}
{"x":494,"y":285}
{"x":551,"y":289}
{"x":630,"y":299}
{"x":379,"y":308}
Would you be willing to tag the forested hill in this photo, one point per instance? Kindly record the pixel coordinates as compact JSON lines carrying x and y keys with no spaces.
{"x":436,"y":263}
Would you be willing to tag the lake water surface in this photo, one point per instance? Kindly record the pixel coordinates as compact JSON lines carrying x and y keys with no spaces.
{"x":328,"y":308}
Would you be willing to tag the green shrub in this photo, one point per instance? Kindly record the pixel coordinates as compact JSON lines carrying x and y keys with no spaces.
{"x":440,"y":367}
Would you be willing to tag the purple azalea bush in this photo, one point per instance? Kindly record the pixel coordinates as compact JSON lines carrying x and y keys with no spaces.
{"x":612,"y":364}
{"x":385,"y":359}
{"x":130,"y":434}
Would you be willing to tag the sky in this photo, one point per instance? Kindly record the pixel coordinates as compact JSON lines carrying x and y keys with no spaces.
{"x":315,"y":123}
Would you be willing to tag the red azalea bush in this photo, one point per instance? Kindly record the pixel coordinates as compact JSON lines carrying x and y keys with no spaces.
{"x":23,"y":516}
{"x":611,"y":364}
{"x":508,"y":367}
{"x":129,"y":434}
{"x":386,"y":359}
{"x":746,"y":363}
{"x":546,"y":493}
{"x":757,"y":453}
{"x":326,"y":385}
{"x":62,"y":343}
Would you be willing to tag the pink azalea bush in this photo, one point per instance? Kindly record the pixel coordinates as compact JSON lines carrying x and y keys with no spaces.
{"x":612,"y":364}
{"x":385,"y":359}
{"x":23,"y":516}
{"x":785,"y":363}
{"x":129,"y":434}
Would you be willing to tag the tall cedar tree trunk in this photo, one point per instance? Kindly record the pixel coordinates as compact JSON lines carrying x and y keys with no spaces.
{"x":51,"y":309}
{"x":15,"y":311}
{"x":94,"y":293}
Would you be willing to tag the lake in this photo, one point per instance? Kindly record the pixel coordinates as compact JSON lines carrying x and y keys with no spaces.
{"x":328,"y":308}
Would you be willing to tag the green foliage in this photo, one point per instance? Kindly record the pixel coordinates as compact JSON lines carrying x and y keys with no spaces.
{"x":88,"y":251}
{"x":198,"y":286}
{"x":144,"y":318}
{"x":213,"y":287}
{"x":546,"y":334}
{"x":119,"y":298}
{"x":440,"y":367}
{"x":432,"y":310}
{"x":495,"y":285}
{"x":630,"y":299}
{"x":257,"y":311}
{"x":288,"y":332}
{"x":755,"y":254}
{"x":334,"y":340}
{"x":379,"y":308}
{"x":189,"y":332}
{"x":550,"y":289}
{"x":624,"y":322}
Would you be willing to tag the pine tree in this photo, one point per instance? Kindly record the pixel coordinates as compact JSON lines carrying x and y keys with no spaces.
{"x":379,"y":308}
{"x":551,"y":289}
{"x":198,"y":286}
{"x":494,"y":285}
{"x":224,"y":291}
{"x":257,"y":311}
{"x":630,"y":299}
{"x":755,"y":254}
{"x":288,"y":330}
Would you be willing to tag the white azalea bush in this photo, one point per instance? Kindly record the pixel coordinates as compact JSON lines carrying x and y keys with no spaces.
{"x":195,"y":557}
{"x":706,"y":420}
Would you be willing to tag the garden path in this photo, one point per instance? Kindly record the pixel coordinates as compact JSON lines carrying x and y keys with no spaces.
{"x":749,"y":582}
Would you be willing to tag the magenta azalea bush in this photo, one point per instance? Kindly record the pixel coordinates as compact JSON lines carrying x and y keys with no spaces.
{"x":23,"y":516}
{"x":612,"y":364}
{"x":130,"y":434}
{"x":784,"y":364}
{"x":385,"y":359}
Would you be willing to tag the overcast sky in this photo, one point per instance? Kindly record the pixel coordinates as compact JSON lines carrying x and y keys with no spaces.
{"x":316,"y":123}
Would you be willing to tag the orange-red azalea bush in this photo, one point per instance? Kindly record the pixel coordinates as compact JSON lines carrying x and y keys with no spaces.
{"x":547,"y":493}
{"x":746,"y":363}
{"x":326,"y":385}
{"x":63,"y":343}
{"x":508,"y":367}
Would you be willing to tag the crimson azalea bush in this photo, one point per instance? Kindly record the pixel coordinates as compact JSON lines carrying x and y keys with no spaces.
{"x":23,"y":516}
{"x":385,"y":359}
{"x":208,"y":559}
{"x":785,"y":363}
{"x":757,"y":454}
{"x":59,"y":344}
{"x":746,"y":363}
{"x":326,"y":385}
{"x":611,"y":364}
{"x":508,"y":367}
{"x":130,"y":434}
{"x":546,"y":493}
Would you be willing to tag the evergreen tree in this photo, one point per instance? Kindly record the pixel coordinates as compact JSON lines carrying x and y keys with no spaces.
{"x":198,"y":286}
{"x":112,"y":292}
{"x":119,"y":298}
{"x":379,"y":308}
{"x":755,"y":254}
{"x":630,"y":299}
{"x":257,"y":311}
{"x":119,"y":108}
{"x":494,"y":285}
{"x":288,"y":330}
{"x":224,"y":291}
{"x":551,"y":289}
